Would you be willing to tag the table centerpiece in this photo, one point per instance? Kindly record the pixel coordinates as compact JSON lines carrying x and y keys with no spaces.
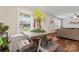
{"x":38,"y":18}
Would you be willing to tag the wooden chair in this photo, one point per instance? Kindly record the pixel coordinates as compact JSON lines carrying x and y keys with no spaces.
{"x":52,"y":38}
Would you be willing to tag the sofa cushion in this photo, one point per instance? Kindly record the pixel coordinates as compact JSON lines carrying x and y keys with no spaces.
{"x":68,"y":33}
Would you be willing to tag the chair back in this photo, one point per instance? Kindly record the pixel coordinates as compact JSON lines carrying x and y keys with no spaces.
{"x":24,"y":45}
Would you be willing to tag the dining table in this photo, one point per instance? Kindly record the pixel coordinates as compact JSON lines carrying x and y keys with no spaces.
{"x":31,"y":35}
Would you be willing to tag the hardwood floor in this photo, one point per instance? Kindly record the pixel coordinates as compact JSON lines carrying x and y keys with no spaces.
{"x":68,"y":45}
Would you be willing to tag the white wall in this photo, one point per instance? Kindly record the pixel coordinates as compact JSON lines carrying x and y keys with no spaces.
{"x":67,"y":24}
{"x":8,"y":15}
{"x":47,"y":25}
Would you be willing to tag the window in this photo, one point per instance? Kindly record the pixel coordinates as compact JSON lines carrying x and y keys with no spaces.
{"x":56,"y":23}
{"x":24,"y":22}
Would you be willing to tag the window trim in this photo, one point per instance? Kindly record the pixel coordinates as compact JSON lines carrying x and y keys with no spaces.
{"x":25,"y":12}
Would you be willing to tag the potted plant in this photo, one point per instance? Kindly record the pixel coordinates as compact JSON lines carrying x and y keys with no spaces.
{"x":3,"y":37}
{"x":3,"y":28}
{"x":38,"y":18}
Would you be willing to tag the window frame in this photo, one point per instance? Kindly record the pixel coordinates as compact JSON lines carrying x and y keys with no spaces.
{"x":27,"y":13}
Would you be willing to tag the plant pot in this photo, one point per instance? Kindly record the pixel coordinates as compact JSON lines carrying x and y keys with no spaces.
{"x":37,"y":25}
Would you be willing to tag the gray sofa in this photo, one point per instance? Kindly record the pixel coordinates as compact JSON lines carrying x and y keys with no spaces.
{"x":71,"y":33}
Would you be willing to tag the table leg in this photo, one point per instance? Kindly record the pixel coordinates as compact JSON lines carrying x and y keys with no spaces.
{"x":39,"y":45}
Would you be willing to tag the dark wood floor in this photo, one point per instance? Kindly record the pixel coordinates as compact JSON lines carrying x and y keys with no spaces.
{"x":68,"y":45}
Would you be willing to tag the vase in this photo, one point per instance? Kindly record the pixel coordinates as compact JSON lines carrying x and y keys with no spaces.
{"x":38,"y":25}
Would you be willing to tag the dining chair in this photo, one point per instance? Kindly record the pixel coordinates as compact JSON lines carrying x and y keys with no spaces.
{"x":52,"y":37}
{"x":50,"y":46}
{"x":24,"y":45}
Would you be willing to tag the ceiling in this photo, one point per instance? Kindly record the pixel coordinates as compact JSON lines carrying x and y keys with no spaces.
{"x":59,"y":11}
